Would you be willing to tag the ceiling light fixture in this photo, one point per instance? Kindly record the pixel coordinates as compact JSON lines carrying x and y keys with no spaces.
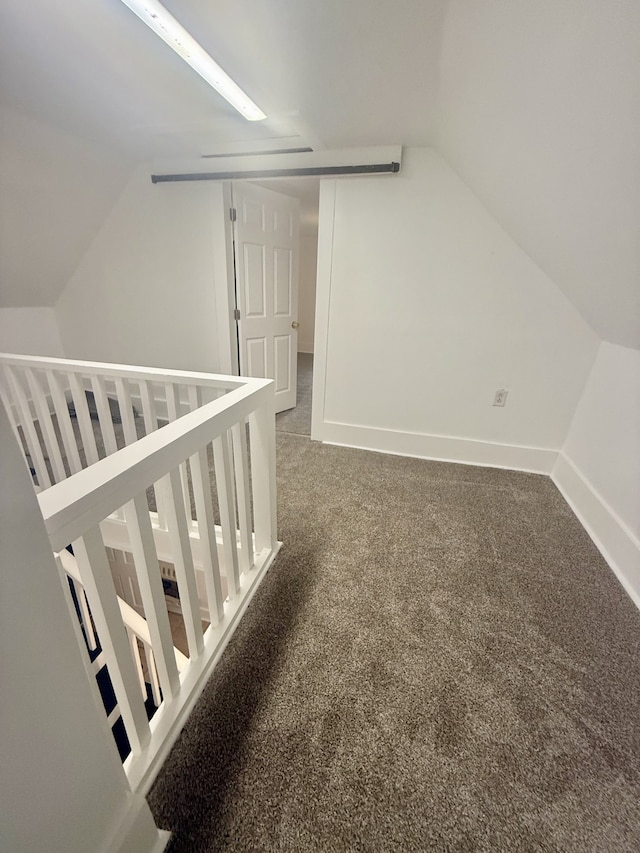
{"x":174,"y":34}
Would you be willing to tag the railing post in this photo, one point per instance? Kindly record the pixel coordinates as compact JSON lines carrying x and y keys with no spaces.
{"x":262,"y":437}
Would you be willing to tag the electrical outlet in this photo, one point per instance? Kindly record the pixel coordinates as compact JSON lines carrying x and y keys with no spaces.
{"x":501,"y":397}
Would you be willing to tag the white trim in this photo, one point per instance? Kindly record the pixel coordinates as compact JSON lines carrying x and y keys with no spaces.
{"x":326,"y":224}
{"x":137,"y":831}
{"x":224,"y":285}
{"x":110,"y":370}
{"x":443,"y":448}
{"x":164,"y":837}
{"x":615,"y":541}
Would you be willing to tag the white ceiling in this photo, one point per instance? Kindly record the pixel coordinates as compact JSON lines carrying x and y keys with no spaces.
{"x":335,"y":74}
{"x":535,"y":102}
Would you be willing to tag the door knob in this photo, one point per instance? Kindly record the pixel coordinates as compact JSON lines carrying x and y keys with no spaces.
{"x":295,"y":324}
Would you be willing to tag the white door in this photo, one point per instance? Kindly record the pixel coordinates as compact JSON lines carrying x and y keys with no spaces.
{"x":266,"y":233}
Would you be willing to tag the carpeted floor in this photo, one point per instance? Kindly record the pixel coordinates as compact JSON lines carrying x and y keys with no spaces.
{"x":439,"y":659}
{"x":298,"y":420}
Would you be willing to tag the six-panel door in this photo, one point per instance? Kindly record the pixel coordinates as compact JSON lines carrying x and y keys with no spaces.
{"x":266,"y":255}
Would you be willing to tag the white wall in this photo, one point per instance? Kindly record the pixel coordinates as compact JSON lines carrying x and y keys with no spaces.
{"x":599,"y":470}
{"x":56,"y":189}
{"x":425,"y":308}
{"x":31,"y":331}
{"x":144,"y":292}
{"x":63,"y":785}
{"x":307,"y":289}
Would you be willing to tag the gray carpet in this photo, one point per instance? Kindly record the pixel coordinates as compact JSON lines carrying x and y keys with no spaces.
{"x":439,"y":659}
{"x":298,"y":420}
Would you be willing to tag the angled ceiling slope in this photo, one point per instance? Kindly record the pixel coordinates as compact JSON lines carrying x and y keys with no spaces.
{"x":539,"y":111}
{"x":55,"y":192}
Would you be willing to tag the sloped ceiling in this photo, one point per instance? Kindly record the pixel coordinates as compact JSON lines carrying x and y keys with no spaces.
{"x":55,"y":192}
{"x":539,"y":111}
{"x":535,"y":102}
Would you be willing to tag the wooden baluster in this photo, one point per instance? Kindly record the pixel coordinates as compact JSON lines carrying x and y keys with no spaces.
{"x":183,"y":561}
{"x":83,"y":417}
{"x":241,"y":466}
{"x":69,"y":566}
{"x":7,"y":402}
{"x":173,"y":410}
{"x":126,"y":410}
{"x":49,"y":437}
{"x":226,"y":501}
{"x":125,"y":405}
{"x":263,"y":475}
{"x":61,"y":408}
{"x":194,"y":396}
{"x":26,"y":418}
{"x":135,"y":652}
{"x":199,"y":466}
{"x":150,"y":415}
{"x":138,"y":523}
{"x":104,"y":414}
{"x":96,"y":578}
{"x":149,"y":411}
{"x":153,"y":675}
{"x":172,"y":398}
{"x":83,"y":604}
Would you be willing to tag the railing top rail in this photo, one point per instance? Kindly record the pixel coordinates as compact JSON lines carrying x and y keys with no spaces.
{"x":128,"y":371}
{"x":74,"y":505}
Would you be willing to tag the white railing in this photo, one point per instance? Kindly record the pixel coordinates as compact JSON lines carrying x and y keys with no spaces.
{"x":146,"y":462}
{"x":137,"y":632}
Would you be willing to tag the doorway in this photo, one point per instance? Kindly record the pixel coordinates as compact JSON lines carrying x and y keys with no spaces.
{"x":297,"y":419}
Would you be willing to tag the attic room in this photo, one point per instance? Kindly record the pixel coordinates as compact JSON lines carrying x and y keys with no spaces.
{"x":473,"y":315}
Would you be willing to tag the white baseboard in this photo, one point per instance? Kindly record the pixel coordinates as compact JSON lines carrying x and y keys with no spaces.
{"x":442,"y":448}
{"x":164,"y":837}
{"x":137,"y":833}
{"x":306,"y":348}
{"x":617,"y":544}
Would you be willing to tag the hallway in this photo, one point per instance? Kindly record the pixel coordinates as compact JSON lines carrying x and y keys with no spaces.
{"x":298,"y":420}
